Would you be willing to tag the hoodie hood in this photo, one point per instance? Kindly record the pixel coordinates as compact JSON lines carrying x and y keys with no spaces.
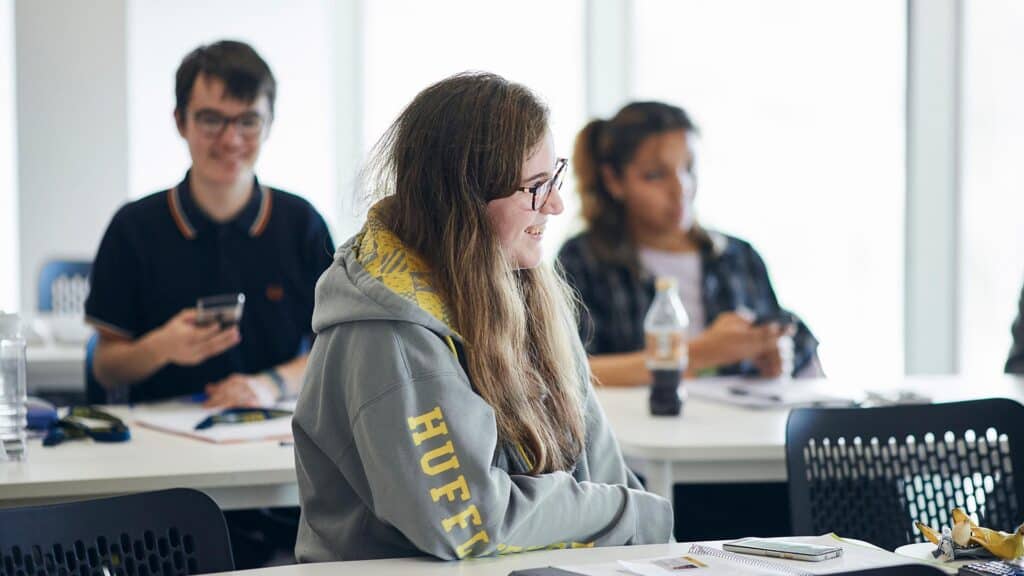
{"x":375,"y":276}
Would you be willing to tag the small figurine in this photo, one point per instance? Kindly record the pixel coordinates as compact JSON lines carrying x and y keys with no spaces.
{"x":946,"y":550}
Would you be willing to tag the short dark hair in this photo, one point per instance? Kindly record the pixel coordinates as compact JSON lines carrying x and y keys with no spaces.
{"x":246,"y":76}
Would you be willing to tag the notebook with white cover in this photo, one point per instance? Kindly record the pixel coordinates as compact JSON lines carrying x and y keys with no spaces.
{"x":181,"y":418}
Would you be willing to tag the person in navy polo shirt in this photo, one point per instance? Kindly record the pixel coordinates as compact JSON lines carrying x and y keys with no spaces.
{"x":218,"y":231}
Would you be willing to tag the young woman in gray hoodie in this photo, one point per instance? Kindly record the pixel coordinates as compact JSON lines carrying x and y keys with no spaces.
{"x":447,"y":407}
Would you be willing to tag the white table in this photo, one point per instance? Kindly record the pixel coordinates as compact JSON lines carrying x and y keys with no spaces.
{"x":56,"y":368}
{"x":721,"y":443}
{"x":236,"y":476}
{"x":709,"y":443}
{"x":501,"y":566}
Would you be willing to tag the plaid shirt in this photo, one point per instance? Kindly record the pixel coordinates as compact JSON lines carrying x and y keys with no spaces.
{"x":616,"y":296}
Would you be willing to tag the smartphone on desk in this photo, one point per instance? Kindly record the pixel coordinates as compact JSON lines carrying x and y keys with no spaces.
{"x":783,"y":549}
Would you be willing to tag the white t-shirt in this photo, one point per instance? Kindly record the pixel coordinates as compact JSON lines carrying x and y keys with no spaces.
{"x":685,"y":268}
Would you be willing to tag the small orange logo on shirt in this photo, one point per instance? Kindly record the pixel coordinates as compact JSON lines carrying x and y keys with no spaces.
{"x":275,"y":293}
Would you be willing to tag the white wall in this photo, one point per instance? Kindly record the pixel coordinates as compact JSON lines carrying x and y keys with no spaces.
{"x":293,"y":36}
{"x":992,"y":193}
{"x":536,"y":42}
{"x":72,"y":129}
{"x":8,"y":164}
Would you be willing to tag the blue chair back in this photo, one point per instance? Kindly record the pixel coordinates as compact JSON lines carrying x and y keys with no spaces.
{"x":64,"y":286}
{"x":167,"y":533}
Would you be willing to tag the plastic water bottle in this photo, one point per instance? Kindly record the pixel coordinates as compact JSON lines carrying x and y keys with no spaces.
{"x":13,"y":401}
{"x":665,"y":326}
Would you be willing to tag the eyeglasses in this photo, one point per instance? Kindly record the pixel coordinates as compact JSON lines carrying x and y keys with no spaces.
{"x":541,"y":192}
{"x":212,"y":124}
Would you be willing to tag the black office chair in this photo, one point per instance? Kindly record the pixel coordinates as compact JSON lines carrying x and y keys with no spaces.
{"x":166,"y":533}
{"x":869,"y":473}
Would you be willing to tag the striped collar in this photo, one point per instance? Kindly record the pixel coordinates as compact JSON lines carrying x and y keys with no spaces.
{"x":190,"y":219}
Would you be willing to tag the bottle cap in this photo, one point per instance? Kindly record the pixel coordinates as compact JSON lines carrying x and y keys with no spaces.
{"x":665,"y":283}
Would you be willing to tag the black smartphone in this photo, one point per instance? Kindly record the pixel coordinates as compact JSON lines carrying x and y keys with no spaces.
{"x":223,"y":309}
{"x":780,"y":317}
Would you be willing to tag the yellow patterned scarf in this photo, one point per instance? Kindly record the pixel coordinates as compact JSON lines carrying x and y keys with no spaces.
{"x":387,"y":259}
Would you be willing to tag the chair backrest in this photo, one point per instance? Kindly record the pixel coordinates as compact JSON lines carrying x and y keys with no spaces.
{"x":869,"y":473}
{"x":166,"y":533}
{"x":64,"y":286}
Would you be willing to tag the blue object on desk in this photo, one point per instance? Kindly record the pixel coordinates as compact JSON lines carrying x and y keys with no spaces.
{"x":241,"y":416}
{"x":72,"y":426}
{"x":41,"y":414}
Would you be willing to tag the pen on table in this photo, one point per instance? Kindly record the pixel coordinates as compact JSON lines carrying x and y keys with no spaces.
{"x":222,"y":418}
{"x":240,"y":416}
{"x":746,"y":392}
{"x":286,"y":443}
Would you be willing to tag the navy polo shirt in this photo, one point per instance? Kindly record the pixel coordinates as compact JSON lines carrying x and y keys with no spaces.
{"x":162,"y":252}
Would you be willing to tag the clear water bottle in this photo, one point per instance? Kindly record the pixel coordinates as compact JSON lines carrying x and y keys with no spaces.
{"x":665,"y":326}
{"x":13,"y":402}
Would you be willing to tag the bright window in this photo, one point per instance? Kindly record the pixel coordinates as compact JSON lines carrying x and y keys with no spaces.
{"x":293,"y":36}
{"x":801,"y":106}
{"x":9,"y":276}
{"x":991,"y":205}
{"x":534,"y":42}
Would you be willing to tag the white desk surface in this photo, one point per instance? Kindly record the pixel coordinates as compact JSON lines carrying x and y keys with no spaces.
{"x":236,"y":476}
{"x":714,"y":442}
{"x":501,"y":566}
{"x":710,"y":442}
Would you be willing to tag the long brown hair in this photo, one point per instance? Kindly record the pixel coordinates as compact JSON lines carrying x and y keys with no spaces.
{"x":614,"y":143}
{"x":459,"y":144}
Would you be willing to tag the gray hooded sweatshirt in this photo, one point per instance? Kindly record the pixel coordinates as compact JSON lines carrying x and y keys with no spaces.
{"x":396,"y":455}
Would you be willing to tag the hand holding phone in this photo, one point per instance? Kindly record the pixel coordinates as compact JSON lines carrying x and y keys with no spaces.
{"x":783,"y":549}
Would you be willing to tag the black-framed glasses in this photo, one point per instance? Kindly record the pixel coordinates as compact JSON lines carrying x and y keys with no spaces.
{"x":212,"y":124}
{"x":541,"y":192}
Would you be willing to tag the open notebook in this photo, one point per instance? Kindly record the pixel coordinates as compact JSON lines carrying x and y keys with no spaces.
{"x":783,"y":393}
{"x":711,"y":560}
{"x":181,"y":418}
